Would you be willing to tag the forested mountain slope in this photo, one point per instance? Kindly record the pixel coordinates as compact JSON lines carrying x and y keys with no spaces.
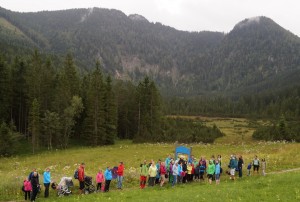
{"x":251,"y":56}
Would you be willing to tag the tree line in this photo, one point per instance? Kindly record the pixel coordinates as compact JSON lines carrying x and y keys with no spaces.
{"x":51,"y":106}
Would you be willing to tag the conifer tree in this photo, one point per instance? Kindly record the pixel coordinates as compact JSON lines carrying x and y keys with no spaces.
{"x":67,"y":85}
{"x":110,"y":115}
{"x":149,"y":111}
{"x":4,"y":90}
{"x":19,"y":108}
{"x":95,"y":128}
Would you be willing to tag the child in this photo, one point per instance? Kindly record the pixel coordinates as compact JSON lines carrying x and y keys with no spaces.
{"x":27,"y":188}
{"x":99,"y":179}
{"x":263,"y":166}
{"x":249,"y":169}
{"x":202,"y":170}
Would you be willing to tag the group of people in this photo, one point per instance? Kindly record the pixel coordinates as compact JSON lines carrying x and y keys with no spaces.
{"x":31,"y":185}
{"x":102,"y":179}
{"x":181,"y":170}
{"x":187,"y":170}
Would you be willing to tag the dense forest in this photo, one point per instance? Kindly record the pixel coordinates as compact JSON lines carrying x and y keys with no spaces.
{"x":50,"y":106}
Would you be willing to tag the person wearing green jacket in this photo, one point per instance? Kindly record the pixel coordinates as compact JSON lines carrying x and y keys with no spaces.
{"x":210,"y":171}
{"x":143,"y":174}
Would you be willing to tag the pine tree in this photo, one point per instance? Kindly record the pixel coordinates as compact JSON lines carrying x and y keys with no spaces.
{"x":110,"y":116}
{"x":94,"y":122}
{"x":126,"y":109}
{"x":149,"y":111}
{"x":67,"y":85}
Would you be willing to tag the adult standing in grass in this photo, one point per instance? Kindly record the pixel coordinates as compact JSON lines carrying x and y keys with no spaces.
{"x":255,"y":164}
{"x":201,"y":170}
{"x":152,"y":174}
{"x":143,"y":174}
{"x":184,"y":171}
{"x":232,"y":166}
{"x":81,"y":177}
{"x":120,"y":173}
{"x":163,"y":172}
{"x":47,"y":181}
{"x":108,"y":178}
{"x":175,"y":173}
{"x":240,"y":166}
{"x":210,"y":171}
{"x":34,"y":180}
{"x":217,"y":172}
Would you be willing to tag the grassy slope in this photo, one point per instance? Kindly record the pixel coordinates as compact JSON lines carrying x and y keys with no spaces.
{"x":279,"y":156}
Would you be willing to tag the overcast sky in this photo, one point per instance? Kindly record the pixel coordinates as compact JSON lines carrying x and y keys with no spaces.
{"x":188,"y":15}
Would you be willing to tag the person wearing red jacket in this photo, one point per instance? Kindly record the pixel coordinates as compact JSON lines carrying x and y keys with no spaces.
{"x":163,"y":172}
{"x":120,"y":173}
{"x":81,"y":177}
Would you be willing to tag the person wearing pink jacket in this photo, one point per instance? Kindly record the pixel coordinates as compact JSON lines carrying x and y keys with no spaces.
{"x":27,"y":188}
{"x":99,"y":179}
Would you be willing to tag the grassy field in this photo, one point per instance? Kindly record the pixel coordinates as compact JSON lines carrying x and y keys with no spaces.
{"x":276,"y":186}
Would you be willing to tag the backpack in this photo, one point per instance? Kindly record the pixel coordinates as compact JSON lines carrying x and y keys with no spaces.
{"x":76,"y":174}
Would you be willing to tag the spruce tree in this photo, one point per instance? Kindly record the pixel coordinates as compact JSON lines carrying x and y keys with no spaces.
{"x":110,"y":116}
{"x":94,"y":123}
{"x":149,"y":111}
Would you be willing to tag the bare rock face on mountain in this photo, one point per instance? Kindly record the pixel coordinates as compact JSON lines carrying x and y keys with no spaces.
{"x":252,"y":55}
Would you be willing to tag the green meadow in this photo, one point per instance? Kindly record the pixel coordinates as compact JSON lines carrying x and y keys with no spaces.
{"x":277,"y":185}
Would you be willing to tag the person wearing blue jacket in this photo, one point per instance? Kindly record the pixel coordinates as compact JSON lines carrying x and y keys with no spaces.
{"x":108,"y":178}
{"x":217,"y":172}
{"x":47,"y":181}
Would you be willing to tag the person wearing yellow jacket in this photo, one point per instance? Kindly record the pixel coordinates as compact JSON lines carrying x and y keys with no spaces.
{"x":152,"y":174}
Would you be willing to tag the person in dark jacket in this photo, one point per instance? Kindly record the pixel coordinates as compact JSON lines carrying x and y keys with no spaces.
{"x":240,"y":166}
{"x":34,"y":180}
{"x":184,"y":169}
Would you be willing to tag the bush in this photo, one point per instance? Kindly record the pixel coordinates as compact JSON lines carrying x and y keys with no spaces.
{"x":290,"y":132}
{"x":9,"y":139}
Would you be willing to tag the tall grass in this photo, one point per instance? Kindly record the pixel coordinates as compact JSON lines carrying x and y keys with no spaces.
{"x":279,"y":156}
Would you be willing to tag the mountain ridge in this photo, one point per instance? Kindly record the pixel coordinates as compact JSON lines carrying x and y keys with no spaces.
{"x":181,"y":62}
